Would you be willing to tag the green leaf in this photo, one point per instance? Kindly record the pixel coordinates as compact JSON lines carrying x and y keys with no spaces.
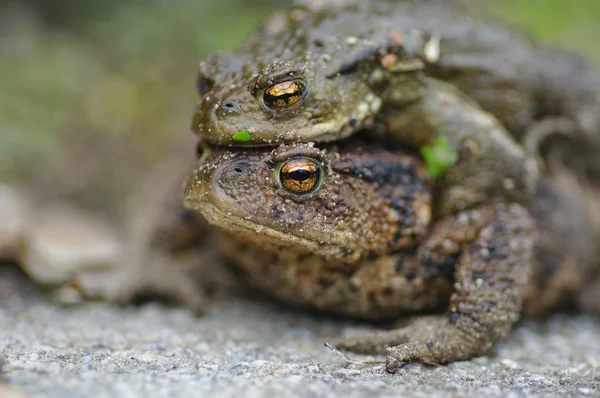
{"x":438,"y":157}
{"x":241,"y":136}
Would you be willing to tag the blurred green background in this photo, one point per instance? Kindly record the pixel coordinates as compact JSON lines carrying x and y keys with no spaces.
{"x":93,"y":93}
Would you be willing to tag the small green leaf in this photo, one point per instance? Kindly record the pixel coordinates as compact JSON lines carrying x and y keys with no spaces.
{"x":438,"y":157}
{"x":241,"y":136}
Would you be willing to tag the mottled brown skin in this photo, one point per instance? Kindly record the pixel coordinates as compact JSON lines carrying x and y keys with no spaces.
{"x":363,"y":243}
{"x":496,"y":96}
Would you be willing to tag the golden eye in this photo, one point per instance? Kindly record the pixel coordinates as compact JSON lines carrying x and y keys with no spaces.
{"x":285,"y":95}
{"x":300,"y":175}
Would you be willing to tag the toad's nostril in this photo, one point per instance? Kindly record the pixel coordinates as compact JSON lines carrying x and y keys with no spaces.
{"x":229,"y":107}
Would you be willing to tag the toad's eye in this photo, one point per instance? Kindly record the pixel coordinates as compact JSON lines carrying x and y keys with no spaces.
{"x":300,"y":175}
{"x":285,"y":96}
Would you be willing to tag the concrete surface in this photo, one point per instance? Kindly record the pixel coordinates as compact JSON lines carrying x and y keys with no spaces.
{"x":248,"y":347}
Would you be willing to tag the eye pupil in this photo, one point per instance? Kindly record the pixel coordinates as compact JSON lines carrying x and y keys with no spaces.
{"x":300,"y":174}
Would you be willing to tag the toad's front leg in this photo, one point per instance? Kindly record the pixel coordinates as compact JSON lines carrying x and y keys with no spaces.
{"x":490,"y":162}
{"x":496,"y":245}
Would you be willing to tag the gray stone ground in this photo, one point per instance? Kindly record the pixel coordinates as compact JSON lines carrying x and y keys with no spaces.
{"x":252,"y":348}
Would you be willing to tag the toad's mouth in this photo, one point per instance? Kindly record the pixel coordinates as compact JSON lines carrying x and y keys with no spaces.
{"x":329,"y":131}
{"x":259,"y":234}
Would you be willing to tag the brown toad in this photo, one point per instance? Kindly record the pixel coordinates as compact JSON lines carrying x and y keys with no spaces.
{"x":348,"y":229}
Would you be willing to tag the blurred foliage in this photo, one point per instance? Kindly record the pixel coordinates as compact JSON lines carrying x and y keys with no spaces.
{"x":568,"y":24}
{"x":94,"y":92}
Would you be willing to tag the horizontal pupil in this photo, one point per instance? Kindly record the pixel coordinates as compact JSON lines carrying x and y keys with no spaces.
{"x":300,"y":175}
{"x":282,"y":98}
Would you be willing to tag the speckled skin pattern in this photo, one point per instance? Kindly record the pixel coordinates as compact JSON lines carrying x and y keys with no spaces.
{"x":366,"y":243}
{"x":410,"y":71}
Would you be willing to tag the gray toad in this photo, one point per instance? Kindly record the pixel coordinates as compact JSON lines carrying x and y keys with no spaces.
{"x":410,"y":71}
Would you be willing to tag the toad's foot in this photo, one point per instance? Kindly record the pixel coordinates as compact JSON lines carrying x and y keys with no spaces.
{"x":431,"y":340}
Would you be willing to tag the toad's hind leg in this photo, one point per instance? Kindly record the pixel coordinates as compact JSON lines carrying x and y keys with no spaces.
{"x":496,"y":244}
